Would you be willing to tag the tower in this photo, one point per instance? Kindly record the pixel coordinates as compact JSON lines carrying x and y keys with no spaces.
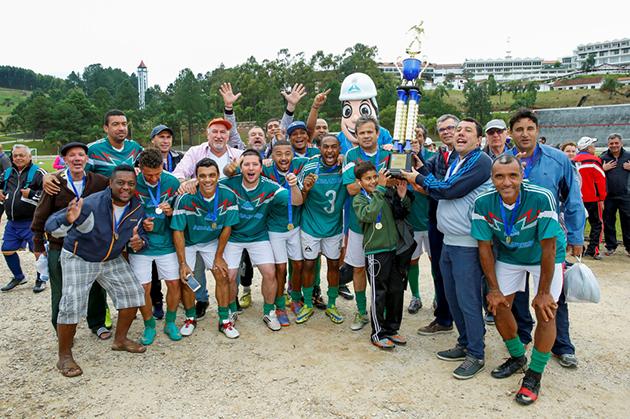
{"x":143,"y":83}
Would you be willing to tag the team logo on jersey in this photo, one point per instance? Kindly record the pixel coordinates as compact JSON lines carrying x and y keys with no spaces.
{"x":524,"y":222}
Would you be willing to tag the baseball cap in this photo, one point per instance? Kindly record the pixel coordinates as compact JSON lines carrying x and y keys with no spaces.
{"x":155,"y":131}
{"x":221,"y":121}
{"x":428,"y":141}
{"x":295,"y":125}
{"x":584,"y":142}
{"x":496,"y":124}
{"x":66,"y":147}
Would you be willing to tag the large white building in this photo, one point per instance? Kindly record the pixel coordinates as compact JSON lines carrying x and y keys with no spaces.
{"x":616,"y":51}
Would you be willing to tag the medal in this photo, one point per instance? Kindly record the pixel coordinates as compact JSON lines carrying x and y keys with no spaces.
{"x":214,"y":215}
{"x":74,"y":188}
{"x":155,"y":199}
{"x":158,"y":211}
{"x":508,"y":239}
{"x":290,"y":226}
{"x":378,"y":226}
{"x":213,"y":225}
{"x":508,"y":225}
{"x":285,"y":184}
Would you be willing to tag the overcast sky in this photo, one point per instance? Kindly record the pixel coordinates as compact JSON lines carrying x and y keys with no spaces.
{"x":57,"y":37}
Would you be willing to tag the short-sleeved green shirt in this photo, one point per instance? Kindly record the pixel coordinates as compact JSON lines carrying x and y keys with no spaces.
{"x":536,"y":219}
{"x":354,"y":156}
{"x":193,"y":215}
{"x":322,"y":212}
{"x":103,"y":158}
{"x":278,"y":220}
{"x":254,"y":207}
{"x":160,"y":239}
{"x":310,"y":152}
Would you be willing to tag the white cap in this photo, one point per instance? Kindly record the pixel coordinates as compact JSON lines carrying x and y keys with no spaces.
{"x":585,"y":142}
{"x":357,"y":86}
{"x":428,"y":141}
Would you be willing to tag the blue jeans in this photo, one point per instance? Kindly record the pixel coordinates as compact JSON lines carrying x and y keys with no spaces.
{"x":200,"y":275}
{"x":463,"y":286}
{"x":442,"y":314}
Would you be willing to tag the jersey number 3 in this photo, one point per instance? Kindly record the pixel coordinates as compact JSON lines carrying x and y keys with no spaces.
{"x":332,"y":196}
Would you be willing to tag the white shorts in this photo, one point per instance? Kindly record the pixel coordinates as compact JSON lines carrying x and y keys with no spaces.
{"x":260,"y":253}
{"x":167,"y":267}
{"x":286,"y":245}
{"x":511,"y":278}
{"x":422,"y":244}
{"x":355,"y":255}
{"x":328,"y":246}
{"x":207,"y":251}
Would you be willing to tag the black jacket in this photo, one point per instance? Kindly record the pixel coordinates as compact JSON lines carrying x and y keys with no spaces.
{"x":617,"y":179}
{"x":17,"y":207}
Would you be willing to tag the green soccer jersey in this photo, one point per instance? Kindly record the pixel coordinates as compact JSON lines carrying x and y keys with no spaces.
{"x":322,"y":212}
{"x":254,"y":207}
{"x":418,"y":217}
{"x":278,"y":220}
{"x":160,"y":239}
{"x":103,"y":158}
{"x":196,"y":217}
{"x":536,"y":219}
{"x":310,"y":152}
{"x":354,"y":156}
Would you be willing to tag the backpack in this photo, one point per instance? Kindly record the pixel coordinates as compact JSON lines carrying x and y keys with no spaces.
{"x":29,"y":177}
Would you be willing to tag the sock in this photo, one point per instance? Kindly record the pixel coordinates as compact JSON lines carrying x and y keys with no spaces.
{"x":539,"y":361}
{"x":515,"y":347}
{"x":224,"y":312}
{"x":308,"y":296}
{"x":13,"y":262}
{"x":318,"y":269}
{"x":268,"y":307}
{"x":233,"y":308}
{"x":281,"y":303}
{"x":333,"y":292}
{"x":149,"y":324}
{"x":191,"y":313}
{"x":171,"y":316}
{"x":414,"y":283}
{"x":296,"y":295}
{"x":247,"y":290}
{"x":361,"y":302}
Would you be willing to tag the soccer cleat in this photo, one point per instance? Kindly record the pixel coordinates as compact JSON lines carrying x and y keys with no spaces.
{"x":383,"y":343}
{"x":296,"y":306}
{"x":283,"y":319}
{"x":188,"y":327}
{"x":469,"y":368}
{"x":13,"y":283}
{"x":456,"y":353}
{"x":334,"y":315}
{"x":170,"y":329}
{"x":530,"y":387}
{"x":509,"y":367}
{"x":246,"y":300}
{"x":271,"y":320}
{"x":227,"y":328}
{"x":148,"y":336}
{"x":414,"y":305}
{"x":305,"y":313}
{"x":359,"y":322}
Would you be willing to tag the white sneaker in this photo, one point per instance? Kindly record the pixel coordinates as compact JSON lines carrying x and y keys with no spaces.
{"x":228,"y":329}
{"x":188,"y":327}
{"x":271,"y":321}
{"x":233,"y":317}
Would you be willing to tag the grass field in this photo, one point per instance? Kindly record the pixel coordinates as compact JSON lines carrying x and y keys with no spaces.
{"x":9,"y":99}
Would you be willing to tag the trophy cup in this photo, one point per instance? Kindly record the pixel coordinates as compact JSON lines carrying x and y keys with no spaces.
{"x":407,"y":106}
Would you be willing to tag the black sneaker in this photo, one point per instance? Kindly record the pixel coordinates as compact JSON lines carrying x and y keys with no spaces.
{"x":13,"y":283}
{"x":39,"y":286}
{"x":469,"y":368}
{"x":454,"y":354}
{"x":201,"y":308}
{"x":345,"y":293}
{"x":318,"y":301}
{"x":509,"y":367}
{"x":158,"y":311}
{"x":530,"y":387}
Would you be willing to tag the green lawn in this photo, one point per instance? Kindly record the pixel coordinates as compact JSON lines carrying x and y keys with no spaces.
{"x":10,"y":98}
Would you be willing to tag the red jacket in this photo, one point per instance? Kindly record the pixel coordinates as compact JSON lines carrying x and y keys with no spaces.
{"x":593,"y":177}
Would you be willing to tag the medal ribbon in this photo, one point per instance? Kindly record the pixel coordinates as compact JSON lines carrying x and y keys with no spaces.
{"x":328,"y":170}
{"x":155,"y":199}
{"x":368,"y":158}
{"x":380,"y":214}
{"x":168,"y":166}
{"x":529,"y":162}
{"x":72,"y":184}
{"x":509,"y":225}
{"x":215,"y":214}
{"x":286,"y":185}
{"x":117,"y":221}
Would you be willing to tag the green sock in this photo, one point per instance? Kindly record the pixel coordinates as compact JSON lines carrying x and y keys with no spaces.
{"x":333,"y":292}
{"x":361,"y":302}
{"x":233,"y":307}
{"x":191,"y":313}
{"x":539,"y":361}
{"x":296,"y":296}
{"x":224,"y":312}
{"x":515,"y":347}
{"x":268,"y":307}
{"x":150,"y":323}
{"x":318,"y":269}
{"x":414,"y":283}
{"x":171,"y":316}
{"x":308,"y":296}
{"x":281,"y":303}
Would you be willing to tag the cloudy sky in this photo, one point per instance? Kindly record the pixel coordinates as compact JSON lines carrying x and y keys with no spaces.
{"x":59,"y":37}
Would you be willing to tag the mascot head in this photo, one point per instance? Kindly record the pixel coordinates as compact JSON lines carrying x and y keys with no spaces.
{"x":358,"y":98}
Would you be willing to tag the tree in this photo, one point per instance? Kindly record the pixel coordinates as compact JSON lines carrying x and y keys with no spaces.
{"x":525,"y":97}
{"x":493,"y":88}
{"x":610,"y":85}
{"x":589,"y":63}
{"x":187,"y":97}
{"x":477,"y":101}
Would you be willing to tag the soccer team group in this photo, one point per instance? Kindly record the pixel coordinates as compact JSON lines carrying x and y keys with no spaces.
{"x":121,"y":217}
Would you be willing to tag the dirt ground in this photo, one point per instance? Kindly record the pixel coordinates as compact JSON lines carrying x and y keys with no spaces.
{"x":313,"y":370}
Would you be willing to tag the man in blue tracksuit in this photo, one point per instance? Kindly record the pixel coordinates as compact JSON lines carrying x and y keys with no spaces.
{"x":550,"y":168}
{"x":465,"y":179}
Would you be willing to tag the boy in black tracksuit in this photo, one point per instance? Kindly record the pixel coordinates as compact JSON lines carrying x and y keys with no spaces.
{"x":377,"y":208}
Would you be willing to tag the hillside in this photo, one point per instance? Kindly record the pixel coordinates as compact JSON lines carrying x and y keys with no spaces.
{"x":9,"y":99}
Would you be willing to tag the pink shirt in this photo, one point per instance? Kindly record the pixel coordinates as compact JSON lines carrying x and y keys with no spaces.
{"x":186,"y":167}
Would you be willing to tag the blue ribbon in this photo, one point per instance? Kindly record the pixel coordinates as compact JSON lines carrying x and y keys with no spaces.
{"x":329,"y":169}
{"x":529,"y":162}
{"x":155,"y":199}
{"x":69,"y":176}
{"x":368,"y":158}
{"x":380,"y":214}
{"x":452,"y":166}
{"x":509,"y":225}
{"x":169,"y":163}
{"x":214,"y":216}
{"x":286,"y":185}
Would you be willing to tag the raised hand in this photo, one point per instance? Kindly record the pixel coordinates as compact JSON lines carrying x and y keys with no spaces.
{"x":297,"y":93}
{"x":383,"y":177}
{"x":320,"y":99}
{"x":291,"y":179}
{"x":228,"y":95}
{"x":401,"y":188}
{"x":148,"y":224}
{"x":135,"y":241}
{"x":309,"y":181}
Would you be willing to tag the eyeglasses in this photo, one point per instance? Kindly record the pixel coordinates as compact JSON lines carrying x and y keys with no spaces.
{"x":449,"y":128}
{"x":494,"y":131}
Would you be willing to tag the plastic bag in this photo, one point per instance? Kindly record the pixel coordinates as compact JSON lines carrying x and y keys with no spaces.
{"x":580,"y":284}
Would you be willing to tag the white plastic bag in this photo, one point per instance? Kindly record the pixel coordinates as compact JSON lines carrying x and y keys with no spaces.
{"x":580,"y":284}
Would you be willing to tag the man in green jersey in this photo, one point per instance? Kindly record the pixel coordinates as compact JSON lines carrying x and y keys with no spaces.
{"x":257,"y":196}
{"x":300,"y":140}
{"x":156,"y":189}
{"x":522,"y":219}
{"x":322,"y":223}
{"x":202,"y":223}
{"x":367,"y":131}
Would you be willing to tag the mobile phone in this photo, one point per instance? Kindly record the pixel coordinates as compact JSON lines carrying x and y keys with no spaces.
{"x":192,"y":283}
